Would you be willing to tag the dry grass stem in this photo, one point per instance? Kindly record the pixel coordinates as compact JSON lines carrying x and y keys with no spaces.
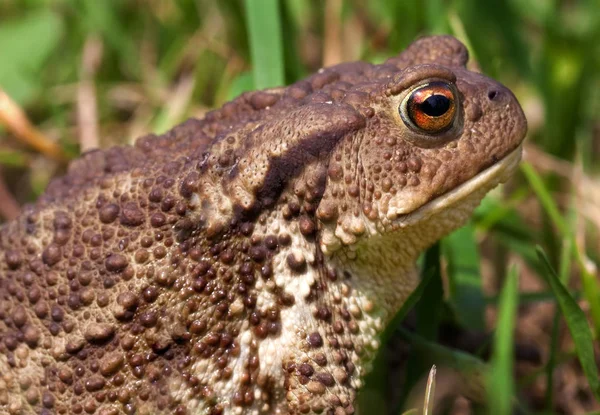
{"x":87,"y":108}
{"x":430,"y":392}
{"x":17,"y":123}
{"x":332,"y":44}
{"x":180,"y":98}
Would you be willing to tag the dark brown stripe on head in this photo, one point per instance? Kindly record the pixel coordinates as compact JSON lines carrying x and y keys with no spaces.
{"x":278,"y":151}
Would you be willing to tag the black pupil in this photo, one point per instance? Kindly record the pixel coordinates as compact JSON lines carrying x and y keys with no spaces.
{"x":435,"y":105}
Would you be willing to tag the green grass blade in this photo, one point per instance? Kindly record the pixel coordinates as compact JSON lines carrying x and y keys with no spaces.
{"x":577,"y":324}
{"x":242,"y":83}
{"x":501,"y":383}
{"x":429,"y":307}
{"x":375,"y":382}
{"x":544,"y":197}
{"x":413,"y":298}
{"x":429,"y":313}
{"x":264,"y":28}
{"x":466,"y":295}
{"x":493,"y":211}
{"x":565,"y":267}
{"x":508,"y":227}
{"x":591,"y":287}
{"x":294,"y":67}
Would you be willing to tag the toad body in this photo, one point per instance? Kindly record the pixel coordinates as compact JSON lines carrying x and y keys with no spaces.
{"x":245,"y":263}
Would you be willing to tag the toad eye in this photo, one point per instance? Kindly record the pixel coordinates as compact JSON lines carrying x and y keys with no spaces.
{"x":431,"y":108}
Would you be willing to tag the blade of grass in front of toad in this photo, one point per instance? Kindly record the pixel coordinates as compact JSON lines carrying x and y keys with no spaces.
{"x":428,"y":276}
{"x":429,"y":313}
{"x":500,"y":380}
{"x":464,"y":277}
{"x":565,"y":267}
{"x":372,"y":395}
{"x":577,"y":324}
{"x":430,"y":305}
{"x":264,"y":26}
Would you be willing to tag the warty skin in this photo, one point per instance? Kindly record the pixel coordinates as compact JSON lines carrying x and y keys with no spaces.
{"x":246,"y":263}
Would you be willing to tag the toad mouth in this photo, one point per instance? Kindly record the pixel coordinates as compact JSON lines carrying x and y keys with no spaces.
{"x":481,"y":183}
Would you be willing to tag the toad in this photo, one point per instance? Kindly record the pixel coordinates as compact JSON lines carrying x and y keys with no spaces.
{"x":246,"y":262}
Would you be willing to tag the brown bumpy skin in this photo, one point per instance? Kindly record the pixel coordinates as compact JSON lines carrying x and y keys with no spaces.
{"x":246,"y":263}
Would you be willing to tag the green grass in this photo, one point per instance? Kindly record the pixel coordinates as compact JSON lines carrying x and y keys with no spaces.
{"x":500,"y":378}
{"x":577,"y":323}
{"x":163,"y":62}
{"x":264,"y":30}
{"x":465,"y":288}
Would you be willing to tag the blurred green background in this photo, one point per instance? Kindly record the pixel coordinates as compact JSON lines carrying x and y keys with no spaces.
{"x":94,"y":73}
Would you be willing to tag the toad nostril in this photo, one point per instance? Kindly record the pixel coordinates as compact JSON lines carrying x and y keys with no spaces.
{"x":493,"y":94}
